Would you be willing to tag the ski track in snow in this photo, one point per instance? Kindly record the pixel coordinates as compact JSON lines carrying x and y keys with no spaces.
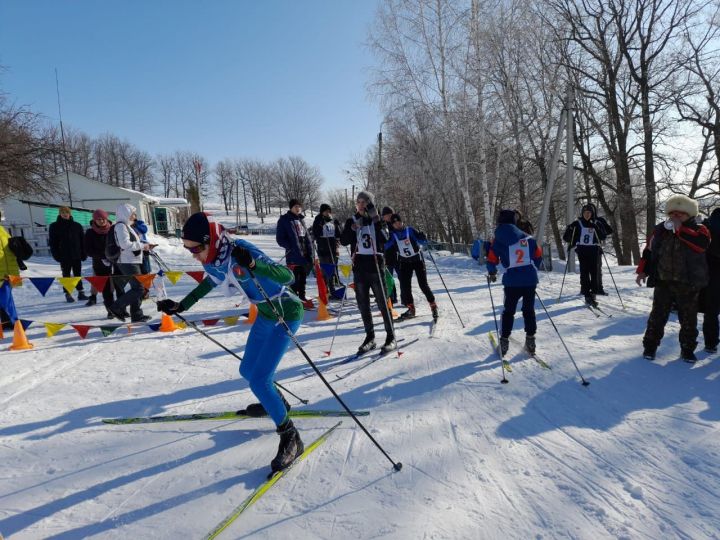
{"x":634,"y":455}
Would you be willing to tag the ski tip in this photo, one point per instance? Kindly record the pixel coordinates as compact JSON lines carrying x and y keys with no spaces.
{"x":400,"y":353}
{"x":327,"y":353}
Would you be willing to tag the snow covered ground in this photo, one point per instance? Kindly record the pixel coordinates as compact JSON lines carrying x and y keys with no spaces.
{"x":634,"y":455}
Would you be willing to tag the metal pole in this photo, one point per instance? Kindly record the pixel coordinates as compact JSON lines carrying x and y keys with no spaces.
{"x":62,"y":137}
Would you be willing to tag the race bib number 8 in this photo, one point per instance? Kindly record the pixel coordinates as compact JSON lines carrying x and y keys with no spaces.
{"x":587,"y":236}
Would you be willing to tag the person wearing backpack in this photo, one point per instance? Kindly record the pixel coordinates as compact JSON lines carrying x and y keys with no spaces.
{"x":67,"y":248}
{"x":95,"y":241}
{"x":125,"y":249}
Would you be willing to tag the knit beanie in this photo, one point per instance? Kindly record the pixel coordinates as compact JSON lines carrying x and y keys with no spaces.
{"x":506,"y":216}
{"x":395,"y":217}
{"x":294,"y":202}
{"x":324,"y":207}
{"x":100,"y":214}
{"x":197,"y":229}
{"x":387,"y":210}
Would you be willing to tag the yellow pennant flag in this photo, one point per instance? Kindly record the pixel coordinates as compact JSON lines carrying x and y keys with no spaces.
{"x":53,"y":328}
{"x":69,"y":283}
{"x":230,"y":321}
{"x":181,"y":324}
{"x":174,"y":276}
{"x":15,"y":281}
{"x":345,"y":269}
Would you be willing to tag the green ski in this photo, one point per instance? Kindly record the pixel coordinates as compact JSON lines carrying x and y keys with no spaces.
{"x":266,"y":485}
{"x":495,"y":345}
{"x":226,"y":415}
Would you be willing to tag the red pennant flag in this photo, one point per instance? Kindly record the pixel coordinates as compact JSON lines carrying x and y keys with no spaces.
{"x":81,"y":329}
{"x":210,"y":322}
{"x":98,"y":282}
{"x":197,"y":275}
{"x":322,"y":288}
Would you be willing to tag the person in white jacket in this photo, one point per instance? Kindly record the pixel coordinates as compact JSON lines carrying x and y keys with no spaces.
{"x":129,"y":264}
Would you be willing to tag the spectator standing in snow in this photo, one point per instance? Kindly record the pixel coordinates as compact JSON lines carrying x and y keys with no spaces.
{"x":95,"y":241}
{"x":291,"y":234}
{"x":68,"y":248}
{"x":675,"y":263}
{"x":326,"y":232}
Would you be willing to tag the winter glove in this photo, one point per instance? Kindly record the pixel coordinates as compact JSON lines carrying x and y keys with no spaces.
{"x":243,"y":256}
{"x":169,"y":306}
{"x":492,"y":277}
{"x":372,"y":211}
{"x":367,"y":220}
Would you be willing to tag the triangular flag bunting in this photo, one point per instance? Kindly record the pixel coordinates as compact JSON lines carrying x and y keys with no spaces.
{"x":53,"y":328}
{"x":82,"y":329}
{"x":345,"y":269}
{"x":98,"y":282}
{"x":160,"y":273}
{"x":197,"y":275}
{"x":174,"y":276}
{"x":230,"y":321}
{"x":181,"y":324}
{"x":15,"y":281}
{"x":69,"y":283}
{"x":328,"y":269}
{"x":42,"y":284}
{"x":154,"y":326}
{"x":210,"y":322}
{"x":25,"y":323}
{"x":145,"y":279}
{"x":107,"y":330}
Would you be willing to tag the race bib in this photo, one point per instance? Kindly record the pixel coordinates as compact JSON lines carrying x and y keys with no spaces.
{"x":366,"y":240}
{"x":299,"y":229}
{"x":405,"y":247}
{"x":328,"y":230}
{"x":587,"y":236}
{"x":519,"y":254}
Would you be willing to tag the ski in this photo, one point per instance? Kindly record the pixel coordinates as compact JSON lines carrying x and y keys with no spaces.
{"x":226,"y":415}
{"x":542,"y":363}
{"x":433,"y":327}
{"x":495,"y":346}
{"x":356,"y":356}
{"x":266,"y":485}
{"x":371,"y":361}
{"x":597,"y":310}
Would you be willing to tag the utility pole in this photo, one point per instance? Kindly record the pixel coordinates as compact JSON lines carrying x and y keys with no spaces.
{"x":62,"y":137}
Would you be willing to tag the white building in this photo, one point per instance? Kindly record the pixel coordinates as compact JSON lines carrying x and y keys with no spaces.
{"x":31,"y":216}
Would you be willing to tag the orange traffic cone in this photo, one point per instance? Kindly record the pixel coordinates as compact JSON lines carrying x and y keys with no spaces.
{"x":394,"y":314}
{"x":2,"y":336}
{"x":323,"y":314}
{"x":20,"y":341}
{"x":167,"y":324}
{"x":252,"y":315}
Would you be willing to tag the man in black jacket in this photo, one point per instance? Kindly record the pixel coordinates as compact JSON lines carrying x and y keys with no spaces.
{"x":326,"y":232}
{"x":366,"y":235}
{"x":711,"y":294}
{"x":67,"y":247}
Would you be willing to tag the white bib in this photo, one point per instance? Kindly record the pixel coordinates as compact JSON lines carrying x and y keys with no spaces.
{"x":366,"y":240}
{"x":328,"y":230}
{"x":587,"y":236}
{"x":519,"y":253}
{"x":405,"y":247}
{"x":299,"y":228}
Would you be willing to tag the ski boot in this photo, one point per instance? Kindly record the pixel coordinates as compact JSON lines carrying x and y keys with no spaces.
{"x":290,"y":448}
{"x":69,"y":298}
{"x":139,"y":318}
{"x":434,"y":311}
{"x":389,"y":345}
{"x":504,"y":345}
{"x":530,"y":344}
{"x":590,"y":300}
{"x":712,"y":349}
{"x":688,"y":355}
{"x":82,"y":296}
{"x":367,"y":345}
{"x":409,"y":314}
{"x":91,"y":301}
{"x":649,"y":353}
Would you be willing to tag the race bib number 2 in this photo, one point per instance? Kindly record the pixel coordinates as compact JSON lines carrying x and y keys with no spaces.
{"x":520,"y":254}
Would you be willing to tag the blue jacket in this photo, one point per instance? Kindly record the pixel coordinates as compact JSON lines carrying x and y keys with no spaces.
{"x":286,"y":235}
{"x":519,"y":272}
{"x":416,"y":239}
{"x":479,"y":247}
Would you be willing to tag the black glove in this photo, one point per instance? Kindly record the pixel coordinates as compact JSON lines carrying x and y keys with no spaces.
{"x":242,"y":256}
{"x":367,"y":220}
{"x":169,"y":306}
{"x":492,"y":277}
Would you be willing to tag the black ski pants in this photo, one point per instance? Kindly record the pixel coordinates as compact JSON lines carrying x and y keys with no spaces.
{"x":298,"y":286}
{"x":76,"y":268}
{"x":364,"y":282}
{"x":686,"y":298}
{"x":711,"y":300}
{"x":405,"y":272}
{"x":588,"y":258}
{"x":512,"y":297}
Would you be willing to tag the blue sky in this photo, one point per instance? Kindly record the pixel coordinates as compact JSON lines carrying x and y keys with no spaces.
{"x":259,"y":79}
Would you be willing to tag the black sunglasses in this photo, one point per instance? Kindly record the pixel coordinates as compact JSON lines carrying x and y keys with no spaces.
{"x":196,"y":249}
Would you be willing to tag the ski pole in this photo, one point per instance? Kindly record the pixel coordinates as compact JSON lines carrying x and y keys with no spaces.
{"x":446,"y":289}
{"x":613,"y":280}
{"x":567,"y":263}
{"x":195,"y":326}
{"x":584,"y":382}
{"x":497,"y":331}
{"x":337,"y":322}
{"x":396,"y":465}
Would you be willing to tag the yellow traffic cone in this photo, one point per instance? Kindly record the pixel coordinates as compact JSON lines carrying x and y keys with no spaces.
{"x":252,"y":315}
{"x":20,"y":341}
{"x":167,"y":324}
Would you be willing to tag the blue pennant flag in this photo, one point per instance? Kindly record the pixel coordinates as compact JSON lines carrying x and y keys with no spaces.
{"x":328,"y":269}
{"x":26,"y":323}
{"x":42,"y":284}
{"x":7,"y":303}
{"x":154,"y":327}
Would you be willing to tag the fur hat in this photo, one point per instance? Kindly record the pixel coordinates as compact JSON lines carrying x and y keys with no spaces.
{"x":294,"y":202}
{"x":681,"y":203}
{"x":387,"y":210}
{"x":324,"y":207}
{"x":506,"y":216}
{"x":365,"y":195}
